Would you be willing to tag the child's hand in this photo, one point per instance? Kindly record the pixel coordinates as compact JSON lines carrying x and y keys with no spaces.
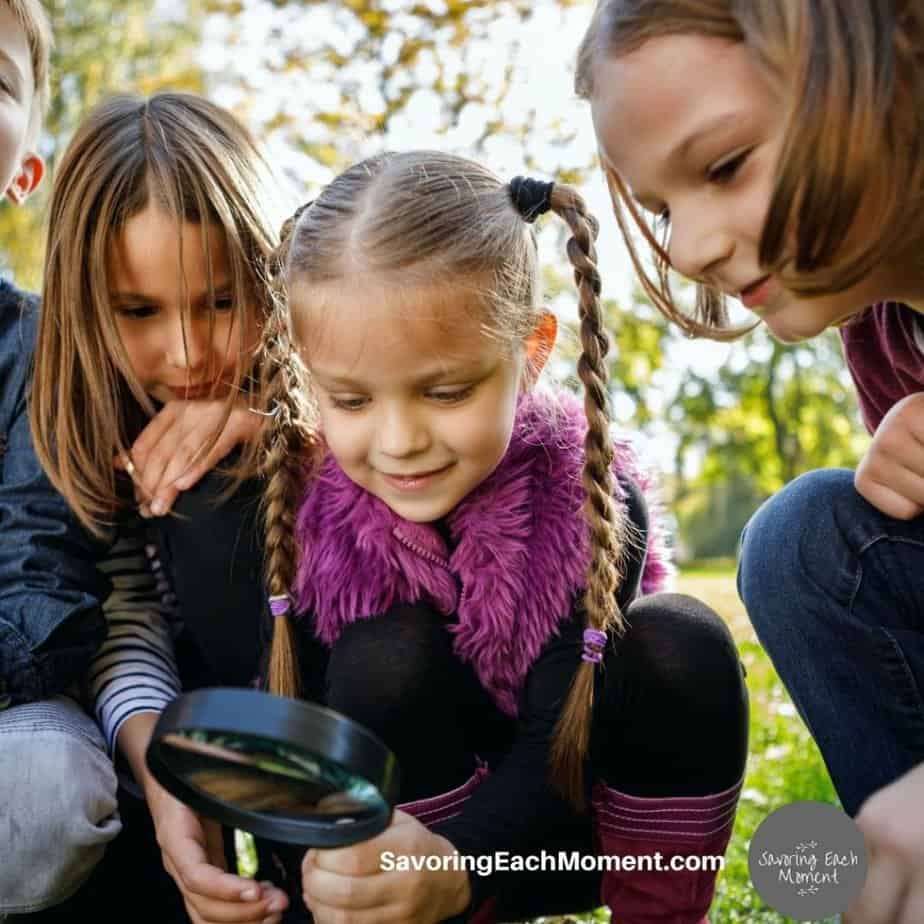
{"x":891,"y":824}
{"x":193,"y":855}
{"x":349,"y":884}
{"x":891,"y":474}
{"x":168,"y":455}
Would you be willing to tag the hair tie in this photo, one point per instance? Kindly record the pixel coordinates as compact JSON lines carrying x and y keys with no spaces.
{"x":594,"y":642}
{"x":280,"y":604}
{"x":531,"y":197}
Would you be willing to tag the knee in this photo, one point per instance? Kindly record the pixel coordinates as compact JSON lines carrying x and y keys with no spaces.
{"x":793,"y":536}
{"x":675,"y":699}
{"x":60,"y":812}
{"x":684,"y":649}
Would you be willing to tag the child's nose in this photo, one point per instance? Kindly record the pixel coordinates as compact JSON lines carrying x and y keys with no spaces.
{"x":187,"y":346}
{"x":697,"y":245}
{"x":402,"y":432}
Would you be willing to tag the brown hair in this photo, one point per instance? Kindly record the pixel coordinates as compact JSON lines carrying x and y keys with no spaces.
{"x":421,"y":215}
{"x":853,"y":84}
{"x":200,"y":165}
{"x":34,"y":21}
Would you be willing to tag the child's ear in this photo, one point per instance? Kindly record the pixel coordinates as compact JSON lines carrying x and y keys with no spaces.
{"x":539,"y":346}
{"x":30,"y":175}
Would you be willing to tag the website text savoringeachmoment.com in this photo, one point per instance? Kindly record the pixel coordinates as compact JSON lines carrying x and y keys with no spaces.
{"x":547,"y":861}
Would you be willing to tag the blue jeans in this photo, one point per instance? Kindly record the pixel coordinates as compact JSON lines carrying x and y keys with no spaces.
{"x":835,"y":590}
{"x":57,"y":803}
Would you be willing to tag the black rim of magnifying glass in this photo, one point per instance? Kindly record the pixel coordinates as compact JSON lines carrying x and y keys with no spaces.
{"x":289,"y":722}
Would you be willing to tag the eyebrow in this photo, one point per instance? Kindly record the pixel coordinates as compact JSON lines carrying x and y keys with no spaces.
{"x":461,"y":371}
{"x":134,"y":297}
{"x":682,"y":149}
{"x":716,"y":123}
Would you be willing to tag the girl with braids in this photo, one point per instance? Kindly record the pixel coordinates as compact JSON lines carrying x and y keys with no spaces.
{"x":468,"y":550}
{"x":782,"y":146}
{"x":153,"y":300}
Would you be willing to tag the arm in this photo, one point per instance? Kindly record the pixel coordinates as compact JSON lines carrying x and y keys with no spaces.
{"x":133,"y":678}
{"x":135,"y":669}
{"x":50,"y":588}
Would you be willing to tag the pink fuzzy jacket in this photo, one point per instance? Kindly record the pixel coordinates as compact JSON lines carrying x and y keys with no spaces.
{"x":519,"y":556}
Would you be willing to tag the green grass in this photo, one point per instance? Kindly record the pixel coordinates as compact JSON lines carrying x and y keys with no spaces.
{"x":784,"y":764}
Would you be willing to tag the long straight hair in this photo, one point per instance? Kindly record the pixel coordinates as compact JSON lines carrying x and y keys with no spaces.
{"x":851,"y":76}
{"x":200,"y":165}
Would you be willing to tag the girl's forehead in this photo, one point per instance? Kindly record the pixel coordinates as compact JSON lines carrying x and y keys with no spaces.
{"x":656,"y":103}
{"x":345,"y":326}
{"x":153,"y":249}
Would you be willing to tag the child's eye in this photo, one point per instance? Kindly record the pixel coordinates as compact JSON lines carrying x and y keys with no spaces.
{"x":348,"y":403}
{"x":224,"y":303}
{"x":136,"y":312}
{"x":452,"y":397}
{"x":725,"y":171}
{"x":662,"y":219}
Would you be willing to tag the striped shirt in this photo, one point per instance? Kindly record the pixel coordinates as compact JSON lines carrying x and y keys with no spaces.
{"x":135,"y":669}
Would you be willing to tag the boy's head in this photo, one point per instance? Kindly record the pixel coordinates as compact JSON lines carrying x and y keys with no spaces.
{"x":25,"y":48}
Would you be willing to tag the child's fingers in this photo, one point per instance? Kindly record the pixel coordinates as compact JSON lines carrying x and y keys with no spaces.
{"x":199,"y":889}
{"x":151,"y":435}
{"x":184,"y":459}
{"x":346,"y":893}
{"x":198,"y":465}
{"x":187,"y":467}
{"x":175,"y":453}
{"x":196,"y":874}
{"x":164,"y":501}
{"x":893,"y":489}
{"x":213,"y":912}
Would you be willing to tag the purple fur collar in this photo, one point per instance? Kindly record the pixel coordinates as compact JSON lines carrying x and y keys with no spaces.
{"x":520,"y":551}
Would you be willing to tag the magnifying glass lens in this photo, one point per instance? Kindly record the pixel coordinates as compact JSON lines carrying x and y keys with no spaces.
{"x":283,"y":769}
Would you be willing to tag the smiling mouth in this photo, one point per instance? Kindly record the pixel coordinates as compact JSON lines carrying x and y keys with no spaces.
{"x":757,"y":293}
{"x":415,"y":476}
{"x":416,"y":481}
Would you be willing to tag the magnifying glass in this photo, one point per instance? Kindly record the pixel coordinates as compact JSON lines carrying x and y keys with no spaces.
{"x":283,"y":769}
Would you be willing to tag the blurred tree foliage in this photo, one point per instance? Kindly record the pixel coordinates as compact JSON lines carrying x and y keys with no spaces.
{"x":770,"y":413}
{"x":100,"y":48}
{"x":325,"y":82}
{"x":346,"y":72}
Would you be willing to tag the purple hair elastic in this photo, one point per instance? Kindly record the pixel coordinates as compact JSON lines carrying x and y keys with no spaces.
{"x":280,"y":604}
{"x":594,"y":640}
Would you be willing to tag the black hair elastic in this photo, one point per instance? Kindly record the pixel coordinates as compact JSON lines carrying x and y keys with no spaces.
{"x":531,"y":197}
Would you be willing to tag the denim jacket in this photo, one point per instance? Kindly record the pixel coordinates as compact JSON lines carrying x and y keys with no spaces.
{"x":50,"y":589}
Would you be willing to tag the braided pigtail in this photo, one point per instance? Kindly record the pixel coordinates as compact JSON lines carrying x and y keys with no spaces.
{"x":286,"y":441}
{"x":605,"y":519}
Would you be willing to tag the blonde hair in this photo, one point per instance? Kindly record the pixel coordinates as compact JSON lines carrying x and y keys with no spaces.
{"x":32,"y":17}
{"x":423,"y":215}
{"x":200,"y":165}
{"x":852,"y":80}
